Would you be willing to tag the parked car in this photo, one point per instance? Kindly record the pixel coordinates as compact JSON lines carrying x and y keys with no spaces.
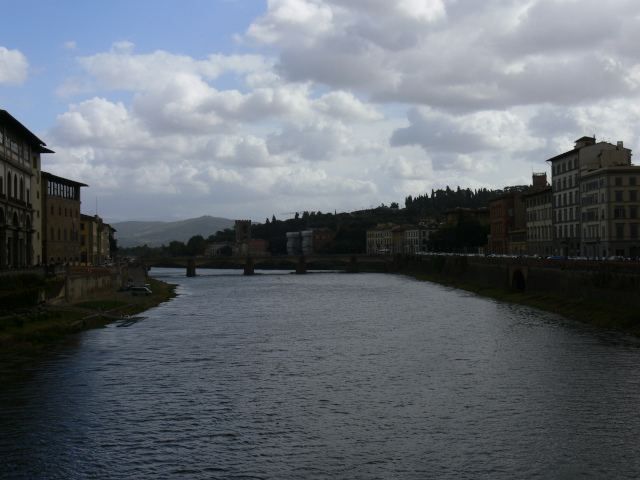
{"x":140,"y":291}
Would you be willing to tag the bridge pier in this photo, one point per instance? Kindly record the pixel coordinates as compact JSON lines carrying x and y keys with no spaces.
{"x":248,"y":267}
{"x":353,"y":265}
{"x":191,"y":267}
{"x":301,"y":267}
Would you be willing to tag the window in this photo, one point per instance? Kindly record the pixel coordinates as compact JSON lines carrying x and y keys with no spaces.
{"x":618,"y":196}
{"x":632,"y":181}
{"x":633,"y":212}
{"x":619,"y":230}
{"x":618,"y":181}
{"x":618,"y":212}
{"x":633,"y":195}
{"x":633,"y":231}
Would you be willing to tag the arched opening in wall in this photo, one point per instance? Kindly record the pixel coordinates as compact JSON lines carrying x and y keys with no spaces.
{"x":21,"y":189}
{"x":518,"y":282}
{"x":9,"y":185}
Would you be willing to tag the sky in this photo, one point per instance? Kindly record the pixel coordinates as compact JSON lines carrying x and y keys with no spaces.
{"x":246,"y":109}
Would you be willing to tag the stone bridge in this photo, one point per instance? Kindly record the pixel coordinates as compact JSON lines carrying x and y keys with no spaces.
{"x":299,"y":263}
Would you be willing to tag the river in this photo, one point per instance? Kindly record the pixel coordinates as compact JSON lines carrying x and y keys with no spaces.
{"x":325,"y":375}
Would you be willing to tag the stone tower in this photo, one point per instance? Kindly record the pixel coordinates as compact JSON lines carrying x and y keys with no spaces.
{"x":243,"y":231}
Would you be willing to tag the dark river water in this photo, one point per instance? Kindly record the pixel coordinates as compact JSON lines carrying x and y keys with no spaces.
{"x":280,"y":376}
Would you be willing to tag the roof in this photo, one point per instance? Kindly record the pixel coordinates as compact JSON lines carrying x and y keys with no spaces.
{"x":575,"y":150}
{"x":66,"y":181}
{"x":14,"y":124}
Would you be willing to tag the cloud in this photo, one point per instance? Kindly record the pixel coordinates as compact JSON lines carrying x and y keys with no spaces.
{"x":361,"y":100}
{"x":71,"y":45}
{"x":14,"y":67}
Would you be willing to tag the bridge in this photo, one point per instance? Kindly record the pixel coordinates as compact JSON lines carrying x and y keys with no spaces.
{"x":299,"y":263}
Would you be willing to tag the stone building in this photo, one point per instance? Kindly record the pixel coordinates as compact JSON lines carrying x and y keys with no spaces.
{"x":243,"y":237}
{"x":566,"y":170}
{"x":20,"y":203}
{"x":60,"y":219}
{"x":609,"y":211}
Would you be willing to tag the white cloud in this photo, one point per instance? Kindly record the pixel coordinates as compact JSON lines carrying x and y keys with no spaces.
{"x":14,"y":67}
{"x":70,"y":45}
{"x":360,"y":100}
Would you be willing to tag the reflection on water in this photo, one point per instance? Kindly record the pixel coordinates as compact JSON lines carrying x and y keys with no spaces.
{"x":325,"y":376}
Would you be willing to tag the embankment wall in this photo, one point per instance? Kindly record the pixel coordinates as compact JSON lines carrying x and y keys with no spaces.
{"x":86,"y":283}
{"x":603,"y":280}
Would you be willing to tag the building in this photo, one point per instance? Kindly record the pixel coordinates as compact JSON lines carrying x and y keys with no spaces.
{"x":322,"y":236}
{"x":294,"y":243}
{"x":539,"y":204}
{"x":20,"y":202}
{"x":96,"y":238}
{"x":308,"y":241}
{"x":417,"y":236}
{"x":455,"y":215}
{"x":508,"y":234}
{"x":398,"y":240}
{"x":60,"y":219}
{"x":243,"y":237}
{"x":257,"y":247}
{"x":609,"y":211}
{"x":380,"y":238}
{"x":502,"y":222}
{"x":566,"y":169}
{"x":216,"y":249}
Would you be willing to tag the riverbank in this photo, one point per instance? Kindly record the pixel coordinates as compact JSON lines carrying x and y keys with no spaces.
{"x":37,"y":327}
{"x":593,"y":312}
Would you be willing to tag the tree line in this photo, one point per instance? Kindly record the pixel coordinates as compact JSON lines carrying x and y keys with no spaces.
{"x":351,"y":227}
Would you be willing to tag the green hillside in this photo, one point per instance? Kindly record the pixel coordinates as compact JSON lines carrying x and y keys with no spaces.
{"x":155,"y":234}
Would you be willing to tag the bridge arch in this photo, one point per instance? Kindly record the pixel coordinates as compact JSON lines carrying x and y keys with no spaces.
{"x":518,"y":279}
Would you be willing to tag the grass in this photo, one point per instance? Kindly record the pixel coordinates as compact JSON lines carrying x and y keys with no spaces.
{"x":594,"y":312}
{"x":37,"y":327}
{"x":102,"y":305}
{"x":33,"y":329}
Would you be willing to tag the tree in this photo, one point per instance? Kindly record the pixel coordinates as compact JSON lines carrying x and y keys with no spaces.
{"x":113,"y":246}
{"x":177,"y":249}
{"x":196,"y":245}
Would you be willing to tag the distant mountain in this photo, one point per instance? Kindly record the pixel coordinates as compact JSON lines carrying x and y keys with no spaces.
{"x":155,"y":234}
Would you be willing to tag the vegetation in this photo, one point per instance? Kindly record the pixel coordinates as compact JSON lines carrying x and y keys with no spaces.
{"x":20,"y":291}
{"x":351,"y":228}
{"x":34,"y":326}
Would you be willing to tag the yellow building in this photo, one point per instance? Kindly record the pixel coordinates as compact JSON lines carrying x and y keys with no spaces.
{"x":95,"y":240}
{"x":60,"y":219}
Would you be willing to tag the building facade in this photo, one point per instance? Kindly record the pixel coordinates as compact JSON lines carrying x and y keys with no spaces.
{"x":502,"y":211}
{"x":566,"y":169}
{"x":539,"y":222}
{"x":60,"y":219}
{"x":20,"y":203}
{"x":96,"y":238}
{"x":610,"y":211}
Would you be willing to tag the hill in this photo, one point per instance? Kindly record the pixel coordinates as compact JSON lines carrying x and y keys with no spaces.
{"x":155,"y":234}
